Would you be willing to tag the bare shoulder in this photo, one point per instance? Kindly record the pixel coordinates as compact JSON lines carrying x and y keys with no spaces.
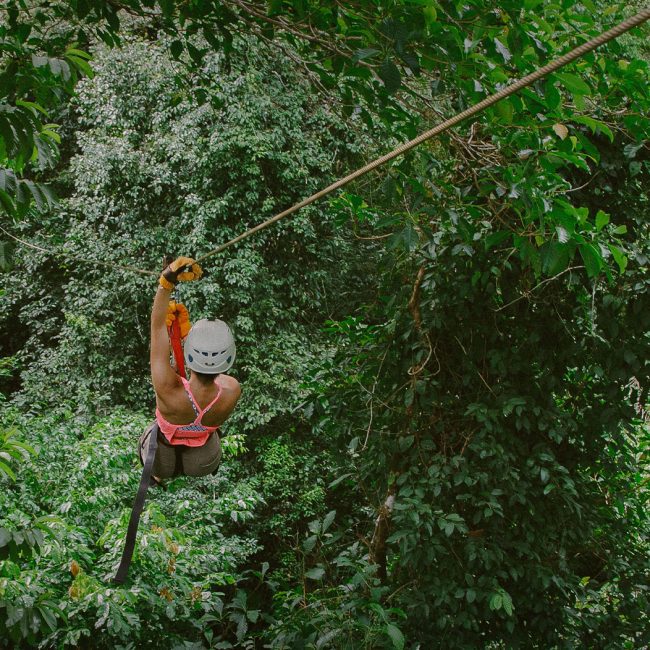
{"x":230,"y":392}
{"x":169,"y":393}
{"x":230,"y":385}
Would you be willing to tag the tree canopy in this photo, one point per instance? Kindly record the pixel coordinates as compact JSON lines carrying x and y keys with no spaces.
{"x":443,"y":438}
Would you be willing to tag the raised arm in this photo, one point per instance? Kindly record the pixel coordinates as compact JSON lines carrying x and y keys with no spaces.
{"x":162,"y":374}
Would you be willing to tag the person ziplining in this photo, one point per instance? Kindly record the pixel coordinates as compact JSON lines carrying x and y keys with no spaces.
{"x":183,"y":439}
{"x":189,"y":442}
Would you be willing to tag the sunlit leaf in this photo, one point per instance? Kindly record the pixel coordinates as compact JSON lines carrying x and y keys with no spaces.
{"x":573,"y":83}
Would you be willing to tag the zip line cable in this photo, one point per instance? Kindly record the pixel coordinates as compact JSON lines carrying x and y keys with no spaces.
{"x":112,"y":265}
{"x":567,"y":58}
{"x":592,"y":44}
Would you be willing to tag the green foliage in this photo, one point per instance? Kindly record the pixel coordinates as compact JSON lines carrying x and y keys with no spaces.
{"x":63,"y":527}
{"x":337,"y":600}
{"x":294,"y":481}
{"x":39,"y":70}
{"x":11,"y":449}
{"x":443,"y":437}
{"x":155,"y":173}
{"x":485,"y":387}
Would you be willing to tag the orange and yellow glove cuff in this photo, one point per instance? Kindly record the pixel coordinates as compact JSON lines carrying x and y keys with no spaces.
{"x":177,"y":310}
{"x":175,"y":272}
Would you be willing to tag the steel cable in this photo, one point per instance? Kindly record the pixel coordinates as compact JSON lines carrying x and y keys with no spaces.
{"x":558,"y":63}
{"x":592,"y":44}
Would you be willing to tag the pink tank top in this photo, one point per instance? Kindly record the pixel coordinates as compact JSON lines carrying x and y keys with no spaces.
{"x":194,"y":434}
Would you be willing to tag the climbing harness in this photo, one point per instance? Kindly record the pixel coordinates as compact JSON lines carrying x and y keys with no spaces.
{"x":577,"y":52}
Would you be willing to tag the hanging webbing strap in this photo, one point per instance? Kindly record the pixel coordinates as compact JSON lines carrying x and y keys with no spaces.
{"x":138,"y":504}
{"x":174,"y":332}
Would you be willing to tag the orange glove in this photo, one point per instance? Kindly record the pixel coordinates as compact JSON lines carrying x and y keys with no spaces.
{"x":175,"y":272}
{"x":178,"y":310}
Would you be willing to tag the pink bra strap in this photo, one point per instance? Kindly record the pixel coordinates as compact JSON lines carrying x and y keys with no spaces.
{"x":213,"y":402}
{"x":195,"y":406}
{"x":197,"y":409}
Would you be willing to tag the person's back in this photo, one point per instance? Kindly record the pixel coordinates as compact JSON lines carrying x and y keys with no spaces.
{"x":175,"y":406}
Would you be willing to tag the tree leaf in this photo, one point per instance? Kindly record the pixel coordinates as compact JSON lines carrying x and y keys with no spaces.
{"x":339,"y":479}
{"x":592,"y":258}
{"x":396,"y":636}
{"x":505,"y":110}
{"x":390,"y":75}
{"x":82,"y":66}
{"x":364,"y":53}
{"x":5,"y":469}
{"x":316,"y":573}
{"x":430,"y":15}
{"x":562,"y":234}
{"x":496,"y":601}
{"x":329,"y":518}
{"x":555,"y":256}
{"x":33,"y":106}
{"x":176,"y":48}
{"x":6,"y":252}
{"x":561,"y":131}
{"x":507,"y":603}
{"x":630,"y":150}
{"x":5,"y":537}
{"x":573,"y":83}
{"x":167,"y":7}
{"x":595,"y":125}
{"x":34,"y":188}
{"x":602,"y":219}
{"x":502,"y":50}
{"x":619,"y":257}
{"x":496,"y":238}
{"x":7,"y":180}
{"x":242,"y":627}
{"x":79,"y":53}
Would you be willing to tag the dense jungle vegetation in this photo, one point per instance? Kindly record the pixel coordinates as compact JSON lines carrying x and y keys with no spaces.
{"x":443,"y":435}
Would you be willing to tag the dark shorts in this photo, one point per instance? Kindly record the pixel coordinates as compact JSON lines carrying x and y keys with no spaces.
{"x":173,"y":460}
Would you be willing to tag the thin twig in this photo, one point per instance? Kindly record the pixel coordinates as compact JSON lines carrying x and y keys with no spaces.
{"x":528,"y":293}
{"x":372,"y":395}
{"x":575,"y":189}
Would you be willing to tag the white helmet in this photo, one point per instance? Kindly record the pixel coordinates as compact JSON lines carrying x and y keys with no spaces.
{"x":209,"y":347}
